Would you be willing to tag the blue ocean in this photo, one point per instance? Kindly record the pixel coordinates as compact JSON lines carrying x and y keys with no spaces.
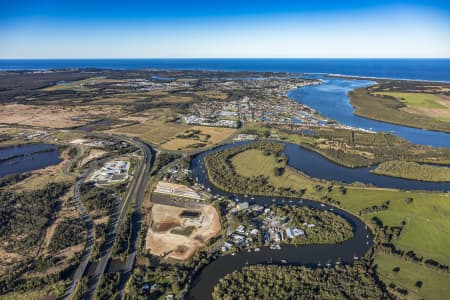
{"x":420,"y":69}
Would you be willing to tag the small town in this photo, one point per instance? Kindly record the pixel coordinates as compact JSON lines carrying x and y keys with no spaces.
{"x":264,"y":228}
{"x":268,"y":103}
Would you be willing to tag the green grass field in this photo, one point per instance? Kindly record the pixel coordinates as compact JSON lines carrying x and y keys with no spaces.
{"x":428,"y":218}
{"x":253,"y":163}
{"x":416,"y":99}
{"x":435,"y":284}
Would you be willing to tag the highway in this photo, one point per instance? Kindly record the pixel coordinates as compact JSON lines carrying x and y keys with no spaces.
{"x":136,"y":188}
{"x":136,"y":218}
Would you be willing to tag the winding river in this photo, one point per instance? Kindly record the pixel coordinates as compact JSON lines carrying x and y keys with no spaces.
{"x":314,"y":165}
{"x":309,"y":255}
{"x":331,"y":100}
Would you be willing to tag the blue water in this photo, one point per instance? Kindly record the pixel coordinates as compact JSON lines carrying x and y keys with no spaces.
{"x":35,"y":156}
{"x":424,"y":69}
{"x":330,"y":99}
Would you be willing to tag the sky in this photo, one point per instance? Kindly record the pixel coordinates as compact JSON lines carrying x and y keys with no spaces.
{"x":224,"y":29}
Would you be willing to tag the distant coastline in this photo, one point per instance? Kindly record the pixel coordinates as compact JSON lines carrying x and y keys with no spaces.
{"x":437,"y":70}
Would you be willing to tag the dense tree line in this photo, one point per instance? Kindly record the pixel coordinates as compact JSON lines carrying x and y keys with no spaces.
{"x":412,"y":170}
{"x":163,"y":159}
{"x":81,"y":289}
{"x":374,"y":208}
{"x":169,"y":278}
{"x":95,"y":198}
{"x":69,"y":232}
{"x":122,"y":240}
{"x":9,"y":180}
{"x":72,"y":152}
{"x":26,"y":214}
{"x":108,"y":287}
{"x":296,"y":282}
{"x":329,"y":228}
{"x":13,"y":281}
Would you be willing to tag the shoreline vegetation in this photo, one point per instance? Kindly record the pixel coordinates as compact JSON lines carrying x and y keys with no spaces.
{"x":406,"y":103}
{"x":412,"y":170}
{"x":290,"y":282}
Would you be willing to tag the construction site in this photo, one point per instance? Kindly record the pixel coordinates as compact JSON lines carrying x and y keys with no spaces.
{"x":177,"y":232}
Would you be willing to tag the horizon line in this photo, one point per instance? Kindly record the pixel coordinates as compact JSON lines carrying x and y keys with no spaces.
{"x":207,"y":58}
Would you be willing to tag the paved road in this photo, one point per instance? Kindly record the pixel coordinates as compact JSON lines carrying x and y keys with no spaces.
{"x":89,"y":226}
{"x":136,"y":218}
{"x":137,"y":187}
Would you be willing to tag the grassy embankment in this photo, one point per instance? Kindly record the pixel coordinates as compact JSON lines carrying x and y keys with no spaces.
{"x":411,"y":170}
{"x":392,"y":110}
{"x":424,"y":233}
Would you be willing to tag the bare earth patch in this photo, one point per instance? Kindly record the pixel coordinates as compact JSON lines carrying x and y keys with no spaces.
{"x":162,"y":242}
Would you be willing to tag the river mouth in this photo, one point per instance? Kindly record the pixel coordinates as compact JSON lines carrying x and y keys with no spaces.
{"x":24,"y":158}
{"x":330,"y":99}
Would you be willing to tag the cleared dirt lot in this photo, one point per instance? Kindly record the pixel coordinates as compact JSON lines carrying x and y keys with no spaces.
{"x":162,"y":242}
